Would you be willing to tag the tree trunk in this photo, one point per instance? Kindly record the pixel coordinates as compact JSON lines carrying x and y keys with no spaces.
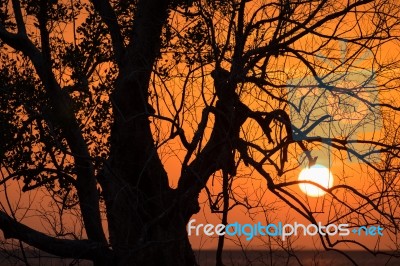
{"x":145,"y":225}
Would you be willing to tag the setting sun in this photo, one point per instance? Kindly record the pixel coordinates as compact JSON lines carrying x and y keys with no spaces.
{"x":318,"y":174}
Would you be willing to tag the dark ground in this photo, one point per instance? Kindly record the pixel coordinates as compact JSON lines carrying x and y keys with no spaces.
{"x":233,"y":257}
{"x":306,"y":258}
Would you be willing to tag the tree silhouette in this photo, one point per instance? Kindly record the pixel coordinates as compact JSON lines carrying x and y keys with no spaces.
{"x":96,"y":95}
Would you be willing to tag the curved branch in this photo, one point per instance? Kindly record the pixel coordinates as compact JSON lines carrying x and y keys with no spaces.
{"x":78,"y":249}
{"x":110,"y":19}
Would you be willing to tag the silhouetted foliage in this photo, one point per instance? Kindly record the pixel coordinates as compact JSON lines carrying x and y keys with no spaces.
{"x":98,"y":96}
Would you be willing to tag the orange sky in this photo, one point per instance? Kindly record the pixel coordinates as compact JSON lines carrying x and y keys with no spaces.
{"x":249,"y":186}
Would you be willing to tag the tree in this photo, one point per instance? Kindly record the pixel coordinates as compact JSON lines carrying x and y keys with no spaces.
{"x":94,"y":93}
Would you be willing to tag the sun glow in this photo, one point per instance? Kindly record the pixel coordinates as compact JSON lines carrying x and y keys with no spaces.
{"x":318,"y":174}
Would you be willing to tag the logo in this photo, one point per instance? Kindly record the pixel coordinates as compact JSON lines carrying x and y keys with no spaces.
{"x":280,"y":230}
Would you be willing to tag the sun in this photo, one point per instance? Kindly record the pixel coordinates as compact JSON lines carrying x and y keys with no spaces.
{"x":318,"y":174}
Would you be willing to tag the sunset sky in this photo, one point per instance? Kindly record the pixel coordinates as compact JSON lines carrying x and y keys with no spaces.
{"x":279,"y":86}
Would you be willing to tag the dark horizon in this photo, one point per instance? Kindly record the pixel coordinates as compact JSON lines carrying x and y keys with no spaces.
{"x":250,"y":257}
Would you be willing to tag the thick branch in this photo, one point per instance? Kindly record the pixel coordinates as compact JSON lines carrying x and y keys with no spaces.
{"x":108,"y":16}
{"x":218,"y":153}
{"x":18,"y":17}
{"x":78,"y":249}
